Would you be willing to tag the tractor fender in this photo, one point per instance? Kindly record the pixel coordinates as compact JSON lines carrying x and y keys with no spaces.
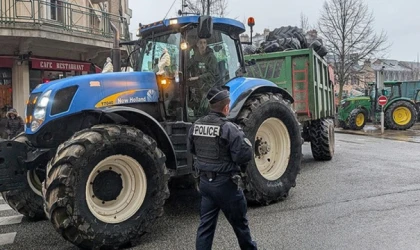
{"x":237,"y":104}
{"x":148,"y":125}
{"x":397,"y":100}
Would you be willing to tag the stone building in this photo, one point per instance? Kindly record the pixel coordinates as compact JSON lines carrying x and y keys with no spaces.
{"x":46,"y":40}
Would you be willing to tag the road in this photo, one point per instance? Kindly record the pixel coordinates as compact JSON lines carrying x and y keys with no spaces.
{"x":367,"y":197}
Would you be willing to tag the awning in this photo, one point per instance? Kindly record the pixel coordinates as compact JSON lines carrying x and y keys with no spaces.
{"x":48,"y":64}
{"x":6,"y":61}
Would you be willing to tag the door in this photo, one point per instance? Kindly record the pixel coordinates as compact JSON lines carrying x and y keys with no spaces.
{"x":210,"y":62}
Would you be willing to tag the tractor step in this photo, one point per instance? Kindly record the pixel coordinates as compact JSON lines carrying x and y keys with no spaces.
{"x":178,"y":133}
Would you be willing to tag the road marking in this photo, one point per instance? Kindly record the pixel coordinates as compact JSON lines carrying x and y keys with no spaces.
{"x":5,"y":207}
{"x":10,"y":220}
{"x":8,"y":238}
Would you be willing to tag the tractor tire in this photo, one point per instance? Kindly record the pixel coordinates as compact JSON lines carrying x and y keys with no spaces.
{"x":28,"y":201}
{"x":270,"y":123}
{"x":288,"y":32}
{"x":342,"y":124}
{"x":400,"y":115}
{"x":106,"y":186}
{"x":322,"y":139}
{"x":357,"y":119}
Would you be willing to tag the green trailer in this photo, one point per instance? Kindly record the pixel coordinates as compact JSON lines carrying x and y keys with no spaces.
{"x":308,"y":78}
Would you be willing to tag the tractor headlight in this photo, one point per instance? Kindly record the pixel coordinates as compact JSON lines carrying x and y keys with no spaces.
{"x":344,"y":104}
{"x":40,"y":111}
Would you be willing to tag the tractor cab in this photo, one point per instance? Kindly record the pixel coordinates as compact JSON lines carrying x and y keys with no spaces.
{"x":189,"y":55}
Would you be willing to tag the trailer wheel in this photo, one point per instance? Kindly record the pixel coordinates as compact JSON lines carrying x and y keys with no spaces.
{"x":357,"y":119}
{"x":270,"y":123}
{"x":27,"y":201}
{"x":400,"y":115}
{"x":322,"y":139}
{"x":106,"y":186}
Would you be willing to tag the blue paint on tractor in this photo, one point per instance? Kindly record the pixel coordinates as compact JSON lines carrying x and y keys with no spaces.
{"x":120,"y":88}
{"x":241,"y":85}
{"x":193,"y":19}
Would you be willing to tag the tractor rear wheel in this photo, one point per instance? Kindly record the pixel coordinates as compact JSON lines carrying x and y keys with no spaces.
{"x":270,"y":123}
{"x":357,"y":119}
{"x":106,"y":186}
{"x":400,"y":115}
{"x":28,"y":201}
{"x":322,"y":139}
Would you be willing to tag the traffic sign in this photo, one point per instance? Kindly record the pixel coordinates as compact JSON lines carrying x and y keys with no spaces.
{"x":382,"y":100}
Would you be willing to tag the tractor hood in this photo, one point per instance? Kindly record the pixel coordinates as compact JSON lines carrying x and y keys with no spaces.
{"x":67,"y":96}
{"x":356,"y":98}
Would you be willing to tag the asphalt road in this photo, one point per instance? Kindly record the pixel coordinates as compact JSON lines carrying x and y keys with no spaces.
{"x":367,"y":197}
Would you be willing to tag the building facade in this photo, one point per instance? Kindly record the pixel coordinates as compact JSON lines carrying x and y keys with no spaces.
{"x":44,"y":40}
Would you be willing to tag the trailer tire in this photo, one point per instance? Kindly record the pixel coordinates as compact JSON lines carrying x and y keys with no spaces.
{"x":28,"y":201}
{"x":400,"y":115}
{"x":78,"y":200}
{"x":357,"y":119}
{"x":322,"y":139}
{"x":269,"y":121}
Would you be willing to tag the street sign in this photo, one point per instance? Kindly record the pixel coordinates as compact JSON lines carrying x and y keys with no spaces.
{"x":382,"y":100}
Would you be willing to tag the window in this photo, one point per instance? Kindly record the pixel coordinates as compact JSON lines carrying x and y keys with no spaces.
{"x":210,"y":62}
{"x":152,"y":50}
{"x":5,"y":76}
{"x":56,"y":10}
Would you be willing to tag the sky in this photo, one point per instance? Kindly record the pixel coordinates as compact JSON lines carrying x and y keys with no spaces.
{"x":399,"y":19}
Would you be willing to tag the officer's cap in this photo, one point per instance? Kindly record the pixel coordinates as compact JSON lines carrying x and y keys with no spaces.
{"x":217,"y":94}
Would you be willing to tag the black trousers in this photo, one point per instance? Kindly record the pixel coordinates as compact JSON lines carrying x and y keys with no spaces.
{"x":222,"y":194}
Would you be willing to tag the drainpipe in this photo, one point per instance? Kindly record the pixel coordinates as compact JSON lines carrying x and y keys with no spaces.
{"x":116,"y":51}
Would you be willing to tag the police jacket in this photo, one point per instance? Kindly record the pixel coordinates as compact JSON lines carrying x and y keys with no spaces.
{"x":219,"y":145}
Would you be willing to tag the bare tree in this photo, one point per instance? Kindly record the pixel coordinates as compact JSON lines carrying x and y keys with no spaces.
{"x":217,"y":7}
{"x":347,"y":30}
{"x":304,"y":22}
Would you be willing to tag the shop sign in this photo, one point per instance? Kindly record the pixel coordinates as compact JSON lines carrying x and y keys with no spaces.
{"x":59,"y":65}
{"x":6,"y":62}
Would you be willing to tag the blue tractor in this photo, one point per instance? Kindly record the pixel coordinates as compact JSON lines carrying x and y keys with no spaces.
{"x":99,"y":150}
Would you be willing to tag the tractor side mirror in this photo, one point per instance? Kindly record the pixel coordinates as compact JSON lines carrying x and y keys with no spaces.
{"x":205,"y":27}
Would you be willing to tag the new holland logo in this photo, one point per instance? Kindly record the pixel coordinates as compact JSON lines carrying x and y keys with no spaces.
{"x":151,"y":95}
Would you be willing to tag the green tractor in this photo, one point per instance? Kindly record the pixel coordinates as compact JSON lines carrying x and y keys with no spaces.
{"x":400,"y":112}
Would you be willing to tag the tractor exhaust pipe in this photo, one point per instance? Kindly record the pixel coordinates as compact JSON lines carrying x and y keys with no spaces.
{"x":116,"y":51}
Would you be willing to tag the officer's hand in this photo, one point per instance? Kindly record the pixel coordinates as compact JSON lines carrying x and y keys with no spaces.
{"x":194,"y":78}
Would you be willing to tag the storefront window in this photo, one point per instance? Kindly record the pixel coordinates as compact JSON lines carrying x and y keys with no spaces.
{"x":5,"y":76}
{"x":5,"y":90}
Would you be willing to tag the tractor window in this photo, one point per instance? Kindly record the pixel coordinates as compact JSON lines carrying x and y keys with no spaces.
{"x":153,"y":50}
{"x":210,"y":62}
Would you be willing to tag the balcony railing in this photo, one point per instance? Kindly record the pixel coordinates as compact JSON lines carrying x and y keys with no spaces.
{"x":62,"y":15}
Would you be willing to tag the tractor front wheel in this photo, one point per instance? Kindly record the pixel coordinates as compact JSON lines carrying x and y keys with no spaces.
{"x":357,"y":119}
{"x":106,"y":186}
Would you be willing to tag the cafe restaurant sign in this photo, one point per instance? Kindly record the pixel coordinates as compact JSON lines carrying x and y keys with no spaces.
{"x":59,"y":65}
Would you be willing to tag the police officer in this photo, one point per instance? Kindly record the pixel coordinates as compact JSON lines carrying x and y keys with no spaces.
{"x":220,"y":147}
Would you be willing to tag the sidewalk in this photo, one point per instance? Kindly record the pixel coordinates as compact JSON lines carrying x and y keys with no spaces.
{"x":409,"y":135}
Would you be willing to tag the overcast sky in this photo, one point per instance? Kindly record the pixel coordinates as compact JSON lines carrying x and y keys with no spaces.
{"x":400,"y":19}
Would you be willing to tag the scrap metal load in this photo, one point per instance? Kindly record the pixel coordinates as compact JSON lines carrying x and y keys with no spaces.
{"x":288,"y":38}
